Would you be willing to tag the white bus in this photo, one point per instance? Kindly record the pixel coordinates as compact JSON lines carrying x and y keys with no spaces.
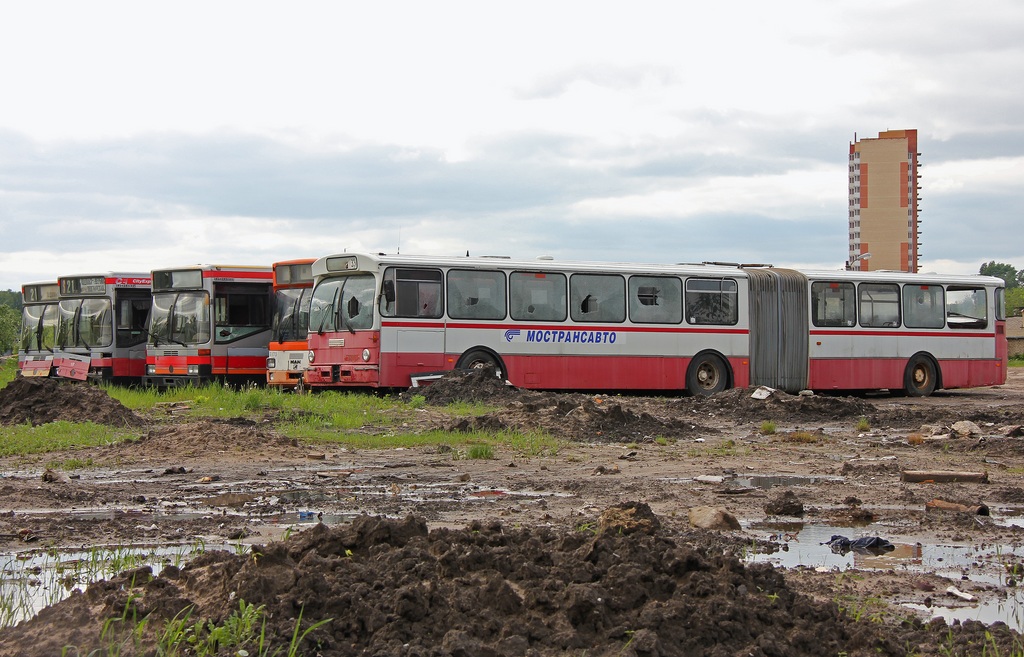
{"x":101,"y":332}
{"x":38,"y":328}
{"x":209,"y":322}
{"x":391,"y":321}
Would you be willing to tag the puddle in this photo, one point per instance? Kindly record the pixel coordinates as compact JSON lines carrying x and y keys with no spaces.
{"x":34,"y":579}
{"x":803,"y":545}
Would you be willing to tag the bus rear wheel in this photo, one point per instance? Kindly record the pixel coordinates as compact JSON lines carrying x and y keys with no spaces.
{"x":707,"y":375}
{"x":919,"y":378}
{"x":478,"y":359}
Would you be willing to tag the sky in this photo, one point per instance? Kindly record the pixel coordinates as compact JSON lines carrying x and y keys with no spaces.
{"x":137,"y":136}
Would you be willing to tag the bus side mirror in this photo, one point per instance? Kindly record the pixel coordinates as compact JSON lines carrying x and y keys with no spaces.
{"x":353,"y":307}
{"x":389,"y":291}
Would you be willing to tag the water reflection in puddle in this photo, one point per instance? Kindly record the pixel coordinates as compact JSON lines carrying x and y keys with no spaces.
{"x":803,"y":545}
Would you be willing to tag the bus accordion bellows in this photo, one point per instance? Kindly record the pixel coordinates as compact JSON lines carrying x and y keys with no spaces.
{"x":101,"y":323}
{"x":209,"y":323}
{"x":38,"y":328}
{"x":393,"y":321}
{"x":288,"y":348}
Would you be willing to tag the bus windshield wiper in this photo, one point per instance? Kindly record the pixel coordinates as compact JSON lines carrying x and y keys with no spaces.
{"x":334,"y":305}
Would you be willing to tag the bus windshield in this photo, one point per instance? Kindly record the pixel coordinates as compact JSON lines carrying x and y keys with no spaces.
{"x":38,"y":327}
{"x":291,"y":314}
{"x":180,"y":318}
{"x":343,"y":304}
{"x":85,"y":323}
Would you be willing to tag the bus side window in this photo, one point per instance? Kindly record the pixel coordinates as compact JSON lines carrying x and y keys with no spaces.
{"x":711,"y":301}
{"x":655,"y":299}
{"x":476,"y":294}
{"x":923,"y":306}
{"x":597,"y":298}
{"x":966,"y":307}
{"x":417,"y":292}
{"x":833,"y":304}
{"x":537,"y":296}
{"x":879,"y":305}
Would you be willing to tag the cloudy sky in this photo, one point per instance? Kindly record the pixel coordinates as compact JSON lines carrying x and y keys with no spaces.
{"x":136,"y":135}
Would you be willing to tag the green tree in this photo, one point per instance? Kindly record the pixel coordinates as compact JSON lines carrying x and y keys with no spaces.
{"x":1004,"y":271}
{"x":10,"y":327}
{"x":10,"y":298}
{"x":1014,"y":301}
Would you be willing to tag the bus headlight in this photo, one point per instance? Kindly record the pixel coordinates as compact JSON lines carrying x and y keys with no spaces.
{"x":366,"y":355}
{"x":193,"y":370}
{"x":151,"y":369}
{"x":310,"y":355}
{"x":271,"y":363}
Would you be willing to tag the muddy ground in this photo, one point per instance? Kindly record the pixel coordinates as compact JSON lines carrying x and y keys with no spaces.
{"x":589,"y":550}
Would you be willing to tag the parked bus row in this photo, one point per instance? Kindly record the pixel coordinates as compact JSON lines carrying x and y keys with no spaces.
{"x":391,"y":321}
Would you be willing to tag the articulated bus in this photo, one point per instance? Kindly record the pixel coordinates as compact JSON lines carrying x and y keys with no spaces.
{"x":38,"y":328}
{"x":209,"y":322}
{"x":293,"y":287}
{"x":101,"y":335}
{"x":394,"y":321}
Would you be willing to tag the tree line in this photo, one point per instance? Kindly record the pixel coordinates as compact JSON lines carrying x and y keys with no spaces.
{"x":10,"y":320}
{"x":1014,"y":279}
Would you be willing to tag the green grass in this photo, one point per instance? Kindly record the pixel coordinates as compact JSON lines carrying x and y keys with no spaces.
{"x":25,"y":439}
{"x":355,"y":419}
{"x":8,"y":370}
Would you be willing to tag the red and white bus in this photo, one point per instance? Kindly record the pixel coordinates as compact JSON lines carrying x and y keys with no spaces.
{"x":293,"y":287}
{"x":38,"y":328}
{"x":209,"y":322}
{"x":389,"y":321}
{"x":101,"y":334}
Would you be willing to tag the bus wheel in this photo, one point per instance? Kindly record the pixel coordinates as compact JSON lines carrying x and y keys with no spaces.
{"x":707,"y":375}
{"x":919,"y":379}
{"x":478,"y":359}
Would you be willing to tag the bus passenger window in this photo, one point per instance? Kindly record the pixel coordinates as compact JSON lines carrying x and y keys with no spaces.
{"x":966,"y":307}
{"x":655,"y":299}
{"x":597,"y":298}
{"x":537,"y":296}
{"x":417,"y":292}
{"x":879,"y":305}
{"x":923,"y":306}
{"x":833,"y":304}
{"x":711,"y":301}
{"x":476,"y":294}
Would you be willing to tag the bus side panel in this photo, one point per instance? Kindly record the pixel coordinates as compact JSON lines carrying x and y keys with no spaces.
{"x":855,"y":373}
{"x":972,"y":373}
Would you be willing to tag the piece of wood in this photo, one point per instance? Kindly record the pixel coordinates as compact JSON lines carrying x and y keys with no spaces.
{"x":943,"y":505}
{"x":944,"y":477}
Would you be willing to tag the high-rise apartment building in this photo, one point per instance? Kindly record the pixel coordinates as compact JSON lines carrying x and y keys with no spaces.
{"x":883,"y":202}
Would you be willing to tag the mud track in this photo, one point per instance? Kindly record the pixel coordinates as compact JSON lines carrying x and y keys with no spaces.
{"x":426,"y":552}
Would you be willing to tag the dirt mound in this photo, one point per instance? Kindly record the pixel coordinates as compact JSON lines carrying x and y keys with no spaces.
{"x":582,"y":418}
{"x":391,"y":587}
{"x":738,"y":403}
{"x":208,"y":437}
{"x":39,"y":401}
{"x":476,"y":385}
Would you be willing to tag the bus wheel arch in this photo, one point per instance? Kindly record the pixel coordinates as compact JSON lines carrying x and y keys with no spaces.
{"x":922,"y":376}
{"x":708,"y":373}
{"x":480,"y":358}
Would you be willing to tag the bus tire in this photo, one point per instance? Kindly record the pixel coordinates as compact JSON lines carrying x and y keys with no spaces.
{"x":920,"y":377}
{"x":707,"y":375}
{"x":478,"y":359}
